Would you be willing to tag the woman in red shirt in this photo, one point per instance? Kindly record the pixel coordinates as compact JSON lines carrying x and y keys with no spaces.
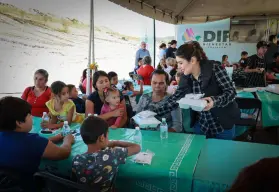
{"x":38,"y":95}
{"x":146,"y":70}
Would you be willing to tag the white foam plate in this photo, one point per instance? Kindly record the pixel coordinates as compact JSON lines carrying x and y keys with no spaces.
{"x":251,"y":90}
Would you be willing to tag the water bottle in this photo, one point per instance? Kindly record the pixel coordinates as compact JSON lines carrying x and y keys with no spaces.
{"x":138,"y":137}
{"x":95,"y":115}
{"x":45,"y":118}
{"x":66,"y":129}
{"x":164,"y":129}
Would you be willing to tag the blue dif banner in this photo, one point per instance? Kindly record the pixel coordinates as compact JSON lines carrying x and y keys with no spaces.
{"x":214,"y":37}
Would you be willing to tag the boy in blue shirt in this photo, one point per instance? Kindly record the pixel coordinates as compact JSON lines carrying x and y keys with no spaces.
{"x":98,"y":166}
{"x":22,"y":151}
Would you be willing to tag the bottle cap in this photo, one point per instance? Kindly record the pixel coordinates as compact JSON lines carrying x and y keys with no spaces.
{"x":44,"y":113}
{"x":95,"y":115}
{"x":137,"y":128}
{"x":164,"y":119}
{"x":65,"y":122}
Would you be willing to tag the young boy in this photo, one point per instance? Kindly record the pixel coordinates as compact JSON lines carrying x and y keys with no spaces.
{"x":98,"y":166}
{"x":113,"y":78}
{"x":243,"y":60}
{"x":79,"y":103}
{"x":22,"y":151}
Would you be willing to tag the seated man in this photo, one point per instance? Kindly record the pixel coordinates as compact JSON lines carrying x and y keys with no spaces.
{"x":159,"y":95}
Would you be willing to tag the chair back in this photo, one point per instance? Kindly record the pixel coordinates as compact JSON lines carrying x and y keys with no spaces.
{"x":249,"y":103}
{"x":10,"y":181}
{"x":52,"y":183}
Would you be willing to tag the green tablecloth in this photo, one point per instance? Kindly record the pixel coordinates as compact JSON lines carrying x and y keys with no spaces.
{"x":172,"y":166}
{"x":220,"y":162}
{"x":270,"y":108}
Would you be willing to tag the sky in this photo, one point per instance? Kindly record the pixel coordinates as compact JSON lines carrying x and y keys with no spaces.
{"x":106,"y":14}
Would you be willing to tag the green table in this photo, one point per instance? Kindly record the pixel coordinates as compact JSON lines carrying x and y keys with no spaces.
{"x":244,"y":94}
{"x":220,"y":162}
{"x":172,"y":166}
{"x":270,"y":108}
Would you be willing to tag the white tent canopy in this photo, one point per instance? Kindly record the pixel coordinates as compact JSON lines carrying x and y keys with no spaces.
{"x":194,"y":11}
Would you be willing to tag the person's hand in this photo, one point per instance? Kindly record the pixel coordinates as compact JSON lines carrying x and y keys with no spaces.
{"x":69,"y":138}
{"x":56,"y":138}
{"x":258,"y":70}
{"x":84,"y":97}
{"x":124,"y":92}
{"x":118,"y":112}
{"x":46,"y":125}
{"x":141,"y":82}
{"x":210,"y":103}
{"x":112,"y":144}
{"x":113,"y":127}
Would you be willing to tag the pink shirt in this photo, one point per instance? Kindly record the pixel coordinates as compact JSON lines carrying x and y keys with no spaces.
{"x":84,"y":85}
{"x":114,"y":120}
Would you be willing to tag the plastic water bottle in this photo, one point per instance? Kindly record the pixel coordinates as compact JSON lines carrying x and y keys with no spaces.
{"x":66,"y":129}
{"x":95,"y":115}
{"x":138,"y":137}
{"x":89,"y":114}
{"x":45,"y":118}
{"x":164,"y":129}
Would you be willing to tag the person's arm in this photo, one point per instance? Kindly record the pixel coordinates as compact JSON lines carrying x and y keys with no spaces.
{"x":56,"y":138}
{"x":131,"y":147}
{"x":89,"y":107}
{"x":123,"y":117}
{"x":225,"y":84}
{"x":171,"y":102}
{"x":250,"y":68}
{"x":176,"y":120}
{"x":53,"y":123}
{"x":135,"y":93}
{"x":54,"y":152}
{"x":71,"y":114}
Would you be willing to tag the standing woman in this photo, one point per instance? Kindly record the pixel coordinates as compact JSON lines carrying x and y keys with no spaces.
{"x":163,"y":48}
{"x":202,"y":76}
{"x":39,"y":94}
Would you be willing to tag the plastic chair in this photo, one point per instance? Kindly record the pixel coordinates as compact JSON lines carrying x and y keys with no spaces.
{"x":46,"y":181}
{"x":10,"y":181}
{"x":249,"y":103}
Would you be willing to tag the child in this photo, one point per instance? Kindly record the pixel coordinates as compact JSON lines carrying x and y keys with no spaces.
{"x":98,"y":166}
{"x":22,"y":151}
{"x":243,"y":61}
{"x":130,"y":91}
{"x":80,"y":103}
{"x":177,"y":78}
{"x":113,"y":78}
{"x":173,"y":86}
{"x":112,"y":102}
{"x":61,"y":108}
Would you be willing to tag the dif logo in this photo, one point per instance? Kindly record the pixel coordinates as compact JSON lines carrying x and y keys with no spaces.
{"x":216,"y":36}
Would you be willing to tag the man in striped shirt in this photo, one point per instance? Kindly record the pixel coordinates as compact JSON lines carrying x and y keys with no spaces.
{"x":256,"y":67}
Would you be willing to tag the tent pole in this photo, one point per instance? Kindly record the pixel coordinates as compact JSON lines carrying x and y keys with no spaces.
{"x":91,"y":41}
{"x":154,"y":43}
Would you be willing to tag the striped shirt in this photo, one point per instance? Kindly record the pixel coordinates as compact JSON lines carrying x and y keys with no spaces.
{"x":256,"y":79}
